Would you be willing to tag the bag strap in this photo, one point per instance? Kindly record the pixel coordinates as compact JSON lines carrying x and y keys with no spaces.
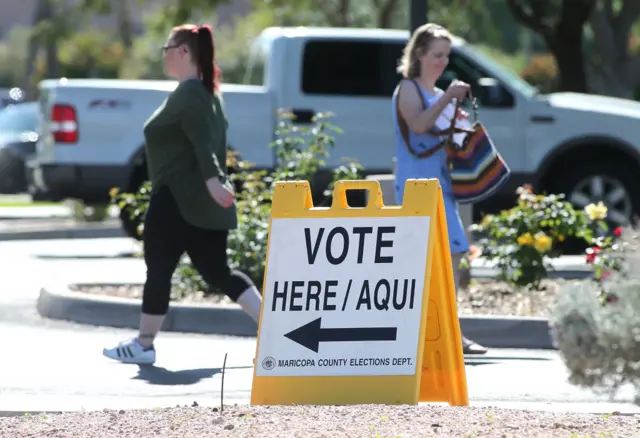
{"x":404,"y":127}
{"x":452,"y":128}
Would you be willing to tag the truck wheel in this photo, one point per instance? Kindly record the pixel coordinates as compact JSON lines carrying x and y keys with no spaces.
{"x":613,"y":182}
{"x":12,"y":174}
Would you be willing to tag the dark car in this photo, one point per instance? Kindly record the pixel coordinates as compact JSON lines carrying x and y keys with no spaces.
{"x":18,"y":135}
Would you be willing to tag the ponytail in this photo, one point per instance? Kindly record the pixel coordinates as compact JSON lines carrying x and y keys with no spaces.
{"x":206,"y":59}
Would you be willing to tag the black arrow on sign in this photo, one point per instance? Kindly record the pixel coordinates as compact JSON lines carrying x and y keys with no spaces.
{"x":311,"y":334}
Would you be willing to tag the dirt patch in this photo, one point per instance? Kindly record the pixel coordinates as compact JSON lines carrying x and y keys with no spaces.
{"x":482,"y":297}
{"x":321,"y":421}
{"x":490,"y":297}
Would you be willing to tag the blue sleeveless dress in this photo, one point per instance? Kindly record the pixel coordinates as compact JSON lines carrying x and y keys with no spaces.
{"x":435,"y":166}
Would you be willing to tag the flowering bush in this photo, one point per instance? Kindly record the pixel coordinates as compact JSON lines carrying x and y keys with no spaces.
{"x":596,"y":322}
{"x":609,"y":256}
{"x":520,"y":241}
{"x":605,"y":254}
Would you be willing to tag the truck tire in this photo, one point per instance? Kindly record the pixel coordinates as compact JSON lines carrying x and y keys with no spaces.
{"x":12,"y":174}
{"x":614,"y":182}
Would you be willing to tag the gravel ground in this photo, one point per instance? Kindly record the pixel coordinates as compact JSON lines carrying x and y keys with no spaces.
{"x":321,"y":421}
{"x":482,"y":297}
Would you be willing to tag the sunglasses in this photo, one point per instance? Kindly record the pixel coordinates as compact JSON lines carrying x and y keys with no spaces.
{"x":166,"y":48}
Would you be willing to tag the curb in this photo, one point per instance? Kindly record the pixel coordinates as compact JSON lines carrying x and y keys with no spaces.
{"x":564,"y":274}
{"x":506,"y":331}
{"x":59,"y":302}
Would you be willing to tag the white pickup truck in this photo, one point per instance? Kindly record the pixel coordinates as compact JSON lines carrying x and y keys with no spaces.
{"x":582,"y":145}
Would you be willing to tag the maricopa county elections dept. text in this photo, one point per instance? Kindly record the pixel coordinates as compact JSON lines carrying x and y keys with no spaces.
{"x":342,"y":362}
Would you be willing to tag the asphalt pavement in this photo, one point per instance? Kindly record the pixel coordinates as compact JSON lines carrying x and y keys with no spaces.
{"x":58,"y":366}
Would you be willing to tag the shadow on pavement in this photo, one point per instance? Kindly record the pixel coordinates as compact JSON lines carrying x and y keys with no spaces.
{"x":162,"y":376}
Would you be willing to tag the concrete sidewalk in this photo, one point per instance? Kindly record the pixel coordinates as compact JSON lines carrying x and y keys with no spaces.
{"x":54,"y":222}
{"x":188,"y":370}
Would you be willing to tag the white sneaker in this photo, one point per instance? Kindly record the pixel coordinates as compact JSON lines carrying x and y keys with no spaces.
{"x":131,"y":352}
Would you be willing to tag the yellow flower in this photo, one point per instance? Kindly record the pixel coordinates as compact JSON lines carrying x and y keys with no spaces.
{"x":525,"y":239}
{"x":560,"y":238}
{"x":542,"y":242}
{"x":596,"y":211}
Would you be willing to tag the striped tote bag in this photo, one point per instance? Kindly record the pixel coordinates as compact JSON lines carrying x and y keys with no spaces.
{"x":476,"y":167}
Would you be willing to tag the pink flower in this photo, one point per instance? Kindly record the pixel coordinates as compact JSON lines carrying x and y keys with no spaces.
{"x":592,"y":253}
{"x":610,"y":298}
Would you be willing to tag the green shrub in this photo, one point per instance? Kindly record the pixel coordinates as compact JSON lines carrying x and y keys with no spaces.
{"x":596,"y":323}
{"x":13,"y":57}
{"x":300,"y":152}
{"x":520,"y":241}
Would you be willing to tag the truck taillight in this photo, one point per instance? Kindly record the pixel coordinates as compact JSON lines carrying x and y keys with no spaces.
{"x":64,"y":124}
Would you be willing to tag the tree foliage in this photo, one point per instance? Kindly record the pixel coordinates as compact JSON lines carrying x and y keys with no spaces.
{"x":460,"y":16}
{"x":176,"y":12}
{"x":568,"y":25}
{"x":561,"y":24}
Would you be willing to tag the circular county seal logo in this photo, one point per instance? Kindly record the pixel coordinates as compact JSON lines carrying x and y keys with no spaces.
{"x":268,"y":363}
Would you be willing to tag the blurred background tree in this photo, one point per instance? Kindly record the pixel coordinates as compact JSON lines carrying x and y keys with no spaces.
{"x":590,"y":41}
{"x":569,"y":45}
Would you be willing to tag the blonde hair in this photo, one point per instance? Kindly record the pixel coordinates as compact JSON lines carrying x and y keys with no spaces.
{"x":418,"y":45}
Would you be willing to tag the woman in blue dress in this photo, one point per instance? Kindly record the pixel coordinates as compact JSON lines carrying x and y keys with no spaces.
{"x":425,"y":58}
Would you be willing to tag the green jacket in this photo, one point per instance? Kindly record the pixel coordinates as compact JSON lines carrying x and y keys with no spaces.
{"x":186,"y":144}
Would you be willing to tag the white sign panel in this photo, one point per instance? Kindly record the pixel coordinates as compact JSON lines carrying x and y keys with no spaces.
{"x":343,"y":297}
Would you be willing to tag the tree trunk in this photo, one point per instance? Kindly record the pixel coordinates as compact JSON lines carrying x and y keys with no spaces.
{"x":42,"y":12}
{"x":564,"y":38}
{"x":606,"y":81}
{"x":125,"y":25}
{"x":614,"y":70}
{"x":52,"y":59}
{"x":571,"y":65}
{"x":385,"y":14}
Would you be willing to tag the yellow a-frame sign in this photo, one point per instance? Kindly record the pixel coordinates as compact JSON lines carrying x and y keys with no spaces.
{"x":359,"y":304}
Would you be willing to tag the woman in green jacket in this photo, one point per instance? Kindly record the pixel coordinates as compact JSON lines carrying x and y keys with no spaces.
{"x":192,"y":205}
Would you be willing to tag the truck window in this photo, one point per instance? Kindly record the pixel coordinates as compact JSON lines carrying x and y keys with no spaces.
{"x":351,"y":68}
{"x":463,"y":69}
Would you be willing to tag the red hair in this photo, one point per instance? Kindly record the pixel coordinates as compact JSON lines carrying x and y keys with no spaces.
{"x":199,"y":40}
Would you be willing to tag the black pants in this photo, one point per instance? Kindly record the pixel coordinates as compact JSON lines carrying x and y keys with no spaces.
{"x":166,"y":237}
